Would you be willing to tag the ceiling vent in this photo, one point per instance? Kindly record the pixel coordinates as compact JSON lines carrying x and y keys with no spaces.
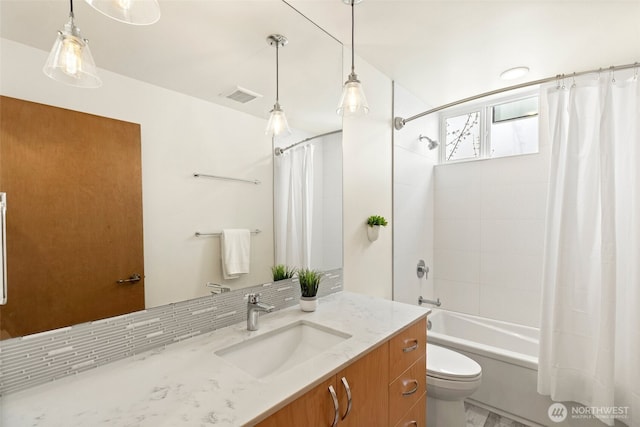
{"x":241,"y":95}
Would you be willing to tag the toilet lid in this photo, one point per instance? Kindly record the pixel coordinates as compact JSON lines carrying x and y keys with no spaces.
{"x":448,"y":364}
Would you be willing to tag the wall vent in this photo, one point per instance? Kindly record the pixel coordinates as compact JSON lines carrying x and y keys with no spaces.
{"x":240,"y":94}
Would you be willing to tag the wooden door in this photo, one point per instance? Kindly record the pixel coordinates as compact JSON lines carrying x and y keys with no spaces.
{"x":74,"y":217}
{"x":314,"y":408}
{"x":368,"y":382}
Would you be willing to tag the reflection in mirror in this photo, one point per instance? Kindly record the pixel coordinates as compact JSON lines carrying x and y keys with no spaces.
{"x":308,"y":201}
{"x":179,"y":84}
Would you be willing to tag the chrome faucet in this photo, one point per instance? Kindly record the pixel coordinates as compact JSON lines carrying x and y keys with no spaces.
{"x":254,"y":307}
{"x":421,"y":301}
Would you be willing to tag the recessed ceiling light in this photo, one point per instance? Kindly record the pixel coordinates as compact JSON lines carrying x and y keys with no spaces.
{"x":514,"y":73}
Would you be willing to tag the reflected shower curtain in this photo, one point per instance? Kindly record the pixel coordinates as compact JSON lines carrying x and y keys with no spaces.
{"x":590,"y":327}
{"x":294,"y":206}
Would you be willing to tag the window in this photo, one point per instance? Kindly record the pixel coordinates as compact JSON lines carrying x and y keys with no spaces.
{"x":506,"y":127}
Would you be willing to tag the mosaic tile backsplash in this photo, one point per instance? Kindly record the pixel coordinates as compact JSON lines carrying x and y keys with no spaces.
{"x":36,"y":359}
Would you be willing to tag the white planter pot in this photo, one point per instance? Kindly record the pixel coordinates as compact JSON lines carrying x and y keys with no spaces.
{"x":308,"y":303}
{"x":373,"y":231}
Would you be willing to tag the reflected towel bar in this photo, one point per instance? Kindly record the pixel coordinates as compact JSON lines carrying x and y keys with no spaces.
{"x":198,"y":234}
{"x":226,"y":178}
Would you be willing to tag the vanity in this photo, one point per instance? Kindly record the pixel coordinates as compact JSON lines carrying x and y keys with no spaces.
{"x":368,"y":370}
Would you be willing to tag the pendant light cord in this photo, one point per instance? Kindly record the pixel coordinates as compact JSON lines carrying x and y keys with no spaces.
{"x":277,"y":73}
{"x":353,"y":48}
{"x":71,"y":8}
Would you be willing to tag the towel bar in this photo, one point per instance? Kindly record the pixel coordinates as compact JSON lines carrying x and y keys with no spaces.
{"x":226,"y":178}
{"x":198,"y":234}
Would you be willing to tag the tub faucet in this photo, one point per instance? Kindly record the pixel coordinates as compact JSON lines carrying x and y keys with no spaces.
{"x":254,"y":307}
{"x":421,"y":301}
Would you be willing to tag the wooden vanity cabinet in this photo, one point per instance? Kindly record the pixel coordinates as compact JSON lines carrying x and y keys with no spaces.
{"x":408,"y":376}
{"x":378,"y":398}
{"x":364,"y":381}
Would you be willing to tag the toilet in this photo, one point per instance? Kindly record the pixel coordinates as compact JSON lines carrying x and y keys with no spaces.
{"x":451,"y":377}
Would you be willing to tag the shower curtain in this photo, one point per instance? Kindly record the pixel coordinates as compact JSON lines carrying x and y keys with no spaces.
{"x":294,"y":206}
{"x":590,"y":327}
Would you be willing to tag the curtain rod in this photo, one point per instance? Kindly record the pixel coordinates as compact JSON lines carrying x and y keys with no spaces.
{"x":279,"y":151}
{"x":399,"y":122}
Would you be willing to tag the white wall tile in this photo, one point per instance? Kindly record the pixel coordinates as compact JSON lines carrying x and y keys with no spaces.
{"x":459,"y":266}
{"x":511,"y":305}
{"x":458,"y":296}
{"x":522,"y":237}
{"x":513,"y":201}
{"x":512,"y":271}
{"x":457,"y":234}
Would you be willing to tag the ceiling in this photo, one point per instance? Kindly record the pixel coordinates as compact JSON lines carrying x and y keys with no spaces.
{"x":439,"y":50}
{"x":443,"y":51}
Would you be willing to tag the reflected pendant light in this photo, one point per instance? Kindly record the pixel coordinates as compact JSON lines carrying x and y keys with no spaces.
{"x":353,"y":100}
{"x":135,"y":12}
{"x":70,"y":60}
{"x":277,"y":124}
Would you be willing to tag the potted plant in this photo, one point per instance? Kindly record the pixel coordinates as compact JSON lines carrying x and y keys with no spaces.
{"x":309,"y":283}
{"x":282,"y":272}
{"x":374,"y":222}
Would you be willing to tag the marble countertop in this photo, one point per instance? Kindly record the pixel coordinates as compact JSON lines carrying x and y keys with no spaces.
{"x":186,"y":384}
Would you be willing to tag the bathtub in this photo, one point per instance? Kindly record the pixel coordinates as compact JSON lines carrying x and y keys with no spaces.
{"x":508,"y":354}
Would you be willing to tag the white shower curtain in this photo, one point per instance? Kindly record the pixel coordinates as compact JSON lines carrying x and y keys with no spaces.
{"x":294,"y":206}
{"x":590,"y":327}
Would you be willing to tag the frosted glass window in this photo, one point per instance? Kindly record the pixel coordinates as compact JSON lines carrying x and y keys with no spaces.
{"x":462,"y":137}
{"x":514,"y":137}
{"x":519,"y":109}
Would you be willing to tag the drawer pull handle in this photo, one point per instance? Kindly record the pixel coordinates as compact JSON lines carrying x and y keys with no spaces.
{"x":411,"y":423}
{"x":345,"y":384}
{"x":336,"y":415}
{"x":410,"y":348}
{"x":410,"y":392}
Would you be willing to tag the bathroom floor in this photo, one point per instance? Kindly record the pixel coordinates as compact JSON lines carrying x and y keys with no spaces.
{"x":480,"y":417}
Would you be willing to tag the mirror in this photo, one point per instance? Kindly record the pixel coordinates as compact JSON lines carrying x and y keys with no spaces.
{"x":176,"y":79}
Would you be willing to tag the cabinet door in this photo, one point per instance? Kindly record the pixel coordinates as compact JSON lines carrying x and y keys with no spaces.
{"x":366,"y":381}
{"x":314,"y":408}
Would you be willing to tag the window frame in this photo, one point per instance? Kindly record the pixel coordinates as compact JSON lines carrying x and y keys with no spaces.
{"x":486,"y":119}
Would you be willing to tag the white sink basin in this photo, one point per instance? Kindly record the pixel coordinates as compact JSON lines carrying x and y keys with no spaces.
{"x":279,"y":350}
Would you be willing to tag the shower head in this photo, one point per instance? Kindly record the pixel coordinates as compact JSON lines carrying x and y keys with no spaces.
{"x":432,"y":144}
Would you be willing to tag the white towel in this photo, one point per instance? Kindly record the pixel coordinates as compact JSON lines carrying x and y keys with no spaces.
{"x":235,"y":250}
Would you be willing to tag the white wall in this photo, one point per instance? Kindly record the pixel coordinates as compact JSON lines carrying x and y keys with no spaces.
{"x":367,"y":185}
{"x":489,"y":232}
{"x":413,"y":199}
{"x":331,"y":202}
{"x":180,"y":135}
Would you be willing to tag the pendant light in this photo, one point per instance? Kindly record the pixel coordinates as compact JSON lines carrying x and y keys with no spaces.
{"x":277,"y":124}
{"x":70,"y":60}
{"x":353,"y":100}
{"x":135,"y":12}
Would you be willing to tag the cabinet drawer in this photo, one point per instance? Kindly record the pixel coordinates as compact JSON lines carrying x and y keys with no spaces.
{"x":407,"y":389}
{"x":407,"y":347}
{"x":417,"y":415}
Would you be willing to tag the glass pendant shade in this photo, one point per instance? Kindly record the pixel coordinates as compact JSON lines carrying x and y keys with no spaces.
{"x":135,"y":12}
{"x":277,"y":124}
{"x":353,"y":101}
{"x":70,"y":60}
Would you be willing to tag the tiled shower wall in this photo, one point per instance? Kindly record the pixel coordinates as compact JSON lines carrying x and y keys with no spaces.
{"x":36,"y":359}
{"x":489,"y":233}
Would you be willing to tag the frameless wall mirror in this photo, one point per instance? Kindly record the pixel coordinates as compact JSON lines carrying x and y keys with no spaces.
{"x":189,"y":95}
